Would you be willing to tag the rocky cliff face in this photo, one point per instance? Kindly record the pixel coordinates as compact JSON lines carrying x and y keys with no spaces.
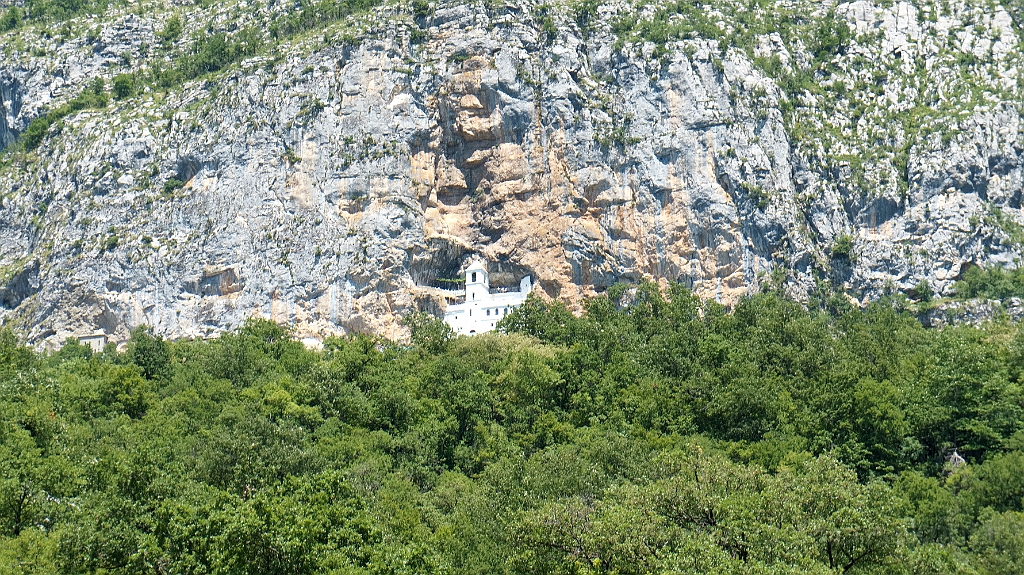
{"x":333,"y":181}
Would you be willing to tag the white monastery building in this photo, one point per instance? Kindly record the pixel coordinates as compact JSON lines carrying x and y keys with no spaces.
{"x":482,"y":310}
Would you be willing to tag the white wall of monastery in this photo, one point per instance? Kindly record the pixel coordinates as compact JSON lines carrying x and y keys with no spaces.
{"x":482,"y":310}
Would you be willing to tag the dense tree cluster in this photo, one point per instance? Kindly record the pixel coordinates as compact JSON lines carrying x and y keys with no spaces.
{"x":652,"y":434}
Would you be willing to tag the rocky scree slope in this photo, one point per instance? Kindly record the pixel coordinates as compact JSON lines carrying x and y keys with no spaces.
{"x":336,"y":171}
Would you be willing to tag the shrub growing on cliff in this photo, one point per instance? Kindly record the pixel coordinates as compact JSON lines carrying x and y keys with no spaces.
{"x":212,"y":53}
{"x":171,"y":30}
{"x":111,"y":241}
{"x":10,"y":19}
{"x":990,"y":283}
{"x":172,"y":185}
{"x":92,"y":97}
{"x":60,"y":10}
{"x":584,"y":12}
{"x":314,"y":15}
{"x":124,"y":86}
{"x":843,"y":247}
{"x":923,"y":291}
{"x":421,"y":8}
{"x":831,"y":36}
{"x":674,"y":21}
{"x":35,"y":132}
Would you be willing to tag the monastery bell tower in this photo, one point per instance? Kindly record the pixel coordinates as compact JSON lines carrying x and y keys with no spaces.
{"x":477,"y":285}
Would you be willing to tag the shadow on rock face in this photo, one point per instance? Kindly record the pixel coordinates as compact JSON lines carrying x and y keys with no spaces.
{"x":187,"y":167}
{"x":21,"y":285}
{"x":10,"y":105}
{"x":440,"y":264}
{"x":880,"y":211}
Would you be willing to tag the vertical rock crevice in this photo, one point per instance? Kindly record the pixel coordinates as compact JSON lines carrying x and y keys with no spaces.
{"x":10,"y":108}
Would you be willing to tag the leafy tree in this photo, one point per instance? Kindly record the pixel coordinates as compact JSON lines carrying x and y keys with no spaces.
{"x":150,"y":353}
{"x":14,"y":355}
{"x":428,"y":332}
{"x":998,"y":543}
{"x":33,"y":552}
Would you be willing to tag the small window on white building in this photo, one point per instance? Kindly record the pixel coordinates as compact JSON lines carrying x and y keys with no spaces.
{"x":474,"y":277}
{"x":488,"y":312}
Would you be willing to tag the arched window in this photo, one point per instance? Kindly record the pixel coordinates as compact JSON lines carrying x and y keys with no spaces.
{"x":474,"y":277}
{"x":488,"y":312}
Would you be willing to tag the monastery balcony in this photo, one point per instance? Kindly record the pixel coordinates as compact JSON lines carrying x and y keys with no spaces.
{"x":512,"y":289}
{"x":446,"y":290}
{"x":454,"y":298}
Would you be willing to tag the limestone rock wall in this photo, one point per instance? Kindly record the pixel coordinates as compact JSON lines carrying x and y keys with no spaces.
{"x":336,"y":188}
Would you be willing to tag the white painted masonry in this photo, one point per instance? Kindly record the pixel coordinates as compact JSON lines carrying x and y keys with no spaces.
{"x":482,"y":310}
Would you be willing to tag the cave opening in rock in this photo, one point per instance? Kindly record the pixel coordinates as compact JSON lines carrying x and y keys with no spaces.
{"x":504,"y":274}
{"x":440,"y":265}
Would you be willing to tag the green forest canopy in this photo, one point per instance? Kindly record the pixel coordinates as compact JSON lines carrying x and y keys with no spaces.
{"x":662,"y":435}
